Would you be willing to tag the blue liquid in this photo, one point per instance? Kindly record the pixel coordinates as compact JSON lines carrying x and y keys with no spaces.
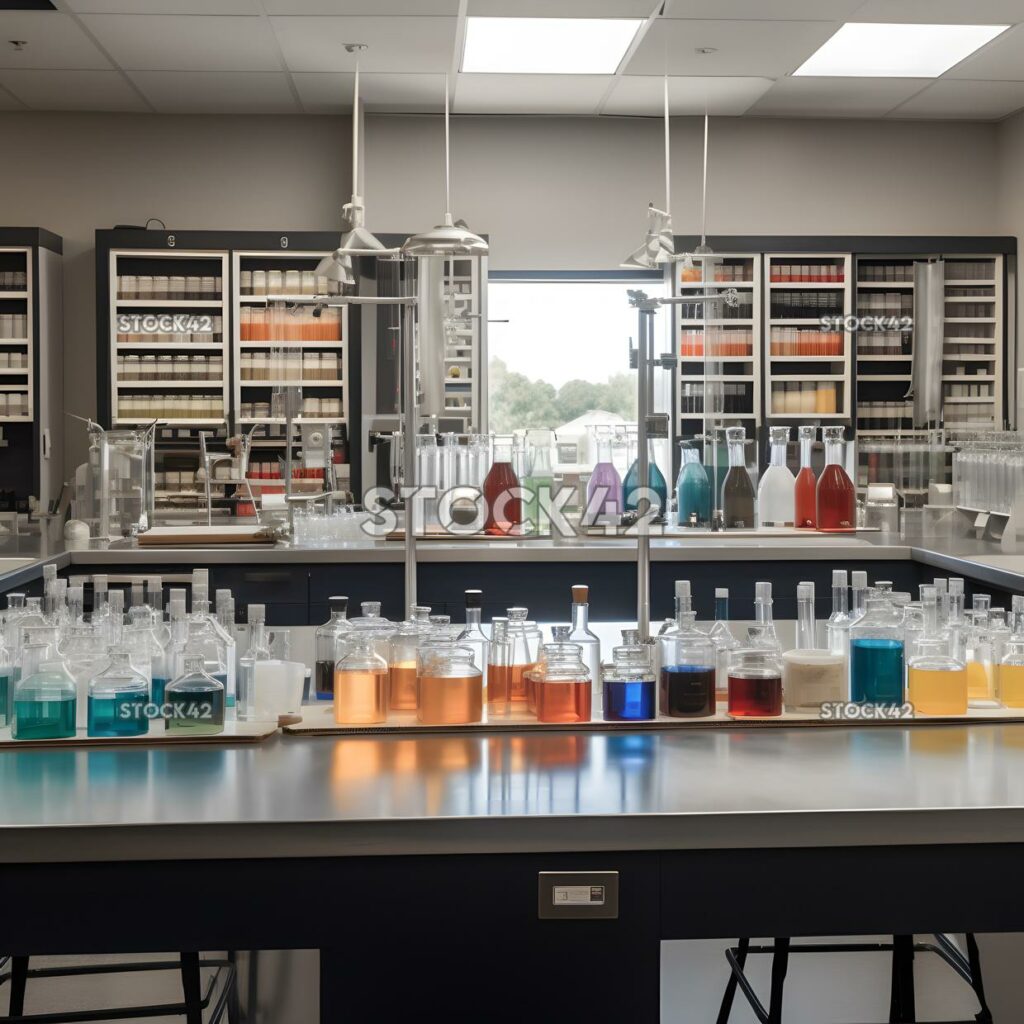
{"x":876,"y":671}
{"x":43,"y":719}
{"x":629,"y":701}
{"x":655,"y":483}
{"x":159,"y":685}
{"x":5,"y":696}
{"x":118,"y":716}
{"x":222,"y":678}
{"x":693,"y":494}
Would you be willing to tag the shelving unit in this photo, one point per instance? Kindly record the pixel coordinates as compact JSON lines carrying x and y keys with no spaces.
{"x":17,"y":334}
{"x":463,"y":399}
{"x":808,"y":368}
{"x":721,"y":352}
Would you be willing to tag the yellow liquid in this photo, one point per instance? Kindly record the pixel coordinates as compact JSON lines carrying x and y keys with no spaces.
{"x":937,"y":692}
{"x":981,"y":684}
{"x":1011,"y":685}
{"x":360,"y":698}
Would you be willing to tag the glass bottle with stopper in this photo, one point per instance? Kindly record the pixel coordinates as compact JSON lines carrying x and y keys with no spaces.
{"x":811,"y":675}
{"x":737,"y":489}
{"x":629,"y":683}
{"x":327,"y":637}
{"x":775,"y":492}
{"x":936,"y":680}
{"x":118,"y":698}
{"x":195,"y":700}
{"x":805,"y":488}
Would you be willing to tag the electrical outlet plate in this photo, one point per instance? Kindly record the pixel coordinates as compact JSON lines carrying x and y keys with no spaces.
{"x":577,"y":895}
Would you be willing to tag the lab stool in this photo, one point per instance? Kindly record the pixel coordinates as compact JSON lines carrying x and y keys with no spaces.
{"x":195,"y":1000}
{"x":901,"y":1001}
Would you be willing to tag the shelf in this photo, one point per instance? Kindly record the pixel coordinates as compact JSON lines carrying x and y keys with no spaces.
{"x":746,"y":378}
{"x":715,"y":284}
{"x":970,"y":298}
{"x":885,"y":284}
{"x":701,"y":322}
{"x":807,"y":359}
{"x":13,"y":295}
{"x":167,"y":346}
{"x":291,"y":297}
{"x":961,"y":357}
{"x":17,"y":419}
{"x":957,"y":400}
{"x":246,"y":383}
{"x":804,"y":377}
{"x":202,"y":385}
{"x":883,"y":359}
{"x":807,"y":285}
{"x":971,"y":320}
{"x":717,"y":415}
{"x":963,"y":378}
{"x":162,"y":422}
{"x":895,"y":433}
{"x":298,"y":419}
{"x":808,"y":416}
{"x":868,"y":377}
{"x":290,"y":344}
{"x":981,"y":282}
{"x":14,"y":341}
{"x":13,"y":387}
{"x":801,"y":321}
{"x":13,"y":372}
{"x":716,"y":359}
{"x":168,"y":303}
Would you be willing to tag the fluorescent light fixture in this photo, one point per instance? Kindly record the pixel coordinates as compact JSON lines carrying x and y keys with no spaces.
{"x":871,"y":50}
{"x":547,"y":46}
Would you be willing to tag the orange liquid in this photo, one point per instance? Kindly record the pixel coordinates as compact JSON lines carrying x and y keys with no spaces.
{"x":402,"y":696}
{"x":517,"y":683}
{"x":360,"y":697}
{"x":806,"y":498}
{"x":935,"y":692}
{"x":498,"y":679}
{"x":563,"y":702}
{"x":451,"y":700}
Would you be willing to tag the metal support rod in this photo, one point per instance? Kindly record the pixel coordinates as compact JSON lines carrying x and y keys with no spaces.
{"x":408,"y":348}
{"x":643,"y":539}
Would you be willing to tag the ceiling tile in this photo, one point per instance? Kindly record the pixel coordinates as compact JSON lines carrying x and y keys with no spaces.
{"x":643,"y":94}
{"x":744,"y":48}
{"x":836,"y":97}
{"x":217,"y":92}
{"x":530,"y":94}
{"x":330,"y":92}
{"x":941,"y":12}
{"x":186,"y":42}
{"x":752,"y":10}
{"x":395,"y":44}
{"x":1000,"y":60}
{"x":73,"y":90}
{"x":561,"y":8}
{"x":54,"y":41}
{"x":250,"y":7}
{"x":971,"y":101}
{"x":382,"y":8}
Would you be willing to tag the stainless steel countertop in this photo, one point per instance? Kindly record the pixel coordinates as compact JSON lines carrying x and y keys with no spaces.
{"x":688,"y":789}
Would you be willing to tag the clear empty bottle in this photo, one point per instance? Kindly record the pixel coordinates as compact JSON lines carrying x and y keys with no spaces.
{"x":725,"y":643}
{"x":327,"y":636}
{"x":360,"y":683}
{"x":372,"y":623}
{"x":259,"y":650}
{"x":775,"y":492}
{"x":472,"y":635}
{"x":196,"y":700}
{"x":686,"y":681}
{"x":582,"y":634}
{"x":629,"y":685}
{"x":118,"y":698}
{"x":837,"y":629}
{"x":44,"y":697}
{"x":737,"y":489}
{"x":876,"y":654}
{"x":755,"y":683}
{"x":562,"y":684}
{"x":811,"y":675}
{"x":762,"y":633}
{"x":936,"y":680}
{"x":451,"y":686}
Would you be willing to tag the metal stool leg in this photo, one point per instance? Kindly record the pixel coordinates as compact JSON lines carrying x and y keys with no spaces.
{"x":234,"y":1013}
{"x":725,"y":1010}
{"x":780,"y":964}
{"x":19,"y":979}
{"x":902,"y":1003}
{"x":191,"y":988}
{"x":974,"y":958}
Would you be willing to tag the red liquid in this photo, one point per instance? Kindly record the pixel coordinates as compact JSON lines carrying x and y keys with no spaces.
{"x":837,"y":500}
{"x":759,"y":697}
{"x":806,"y":499}
{"x":563,"y":702}
{"x":503,"y":511}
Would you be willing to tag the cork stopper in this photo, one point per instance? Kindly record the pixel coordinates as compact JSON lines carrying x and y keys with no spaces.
{"x":580,"y":594}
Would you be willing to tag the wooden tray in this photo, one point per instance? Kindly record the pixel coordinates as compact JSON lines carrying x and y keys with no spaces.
{"x":234,"y":732}
{"x":186,"y":536}
{"x":319,"y":721}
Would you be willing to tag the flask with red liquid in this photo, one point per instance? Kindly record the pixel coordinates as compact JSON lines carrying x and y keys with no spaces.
{"x":806,"y":499}
{"x":504,"y":511}
{"x":837,"y":499}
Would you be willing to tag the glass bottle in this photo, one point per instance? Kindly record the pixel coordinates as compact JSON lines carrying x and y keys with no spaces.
{"x":451,"y":686}
{"x":259,"y":650}
{"x":762,"y":633}
{"x":1011,"y":670}
{"x":693,"y":489}
{"x":725,"y":643}
{"x":195,"y":700}
{"x":858,"y":594}
{"x":981,"y":689}
{"x":811,"y":675}
{"x":755,"y":683}
{"x":504,"y":511}
{"x":360,"y":683}
{"x":582,"y":634}
{"x":84,"y":652}
{"x":539,"y":484}
{"x":524,"y":647}
{"x":876,"y":654}
{"x":402,"y":653}
{"x":562,"y":684}
{"x":629,"y":683}
{"x":327,"y":636}
{"x":499,"y":704}
{"x":146,"y":653}
{"x":775,"y":492}
{"x":44,"y":697}
{"x":999,"y":633}
{"x":631,"y":493}
{"x":737,"y":490}
{"x":936,"y":681}
{"x":6,"y":680}
{"x":837,"y":629}
{"x":224,"y":625}
{"x":376,"y":625}
{"x":836,"y":499}
{"x":472,"y":635}
{"x":955,"y":622}
{"x":118,"y":698}
{"x":805,"y":488}
{"x":604,"y":491}
{"x":687,"y":676}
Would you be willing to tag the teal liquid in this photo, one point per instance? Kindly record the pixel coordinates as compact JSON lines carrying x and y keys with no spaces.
{"x":118,"y":716}
{"x":222,"y":678}
{"x":693,"y":494}
{"x":157,"y":691}
{"x":876,"y":671}
{"x":5,"y":697}
{"x":656,"y":483}
{"x":43,"y":719}
{"x":196,"y":712}
{"x":533,"y":513}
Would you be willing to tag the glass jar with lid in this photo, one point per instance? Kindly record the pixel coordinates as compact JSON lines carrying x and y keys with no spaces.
{"x":376,"y":625}
{"x":361,"y":683}
{"x":877,"y":653}
{"x":328,"y":638}
{"x":402,"y":652}
{"x":450,"y":685}
{"x":562,"y":684}
{"x":629,"y":682}
{"x":687,"y":658}
{"x":195,"y":700}
{"x":118,"y":698}
{"x":755,"y":683}
{"x":524,"y":648}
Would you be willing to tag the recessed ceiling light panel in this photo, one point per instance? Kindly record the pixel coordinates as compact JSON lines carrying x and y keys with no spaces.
{"x":871,"y":50}
{"x":547,"y":46}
